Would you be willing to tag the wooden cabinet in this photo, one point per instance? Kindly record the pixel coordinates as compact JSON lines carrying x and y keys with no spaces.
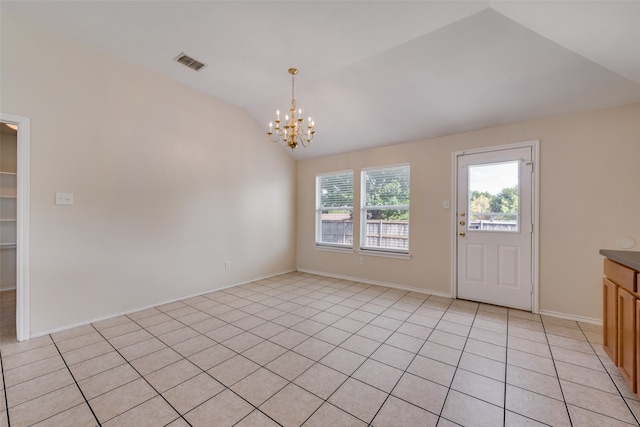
{"x":627,"y":336}
{"x":637,"y":346}
{"x":620,"y":275}
{"x":621,"y":320}
{"x":610,"y":320}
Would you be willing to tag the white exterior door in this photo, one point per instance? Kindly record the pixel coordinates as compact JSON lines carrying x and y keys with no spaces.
{"x":494,"y":224}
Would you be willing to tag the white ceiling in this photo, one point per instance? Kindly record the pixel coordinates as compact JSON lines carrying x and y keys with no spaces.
{"x":375,"y":73}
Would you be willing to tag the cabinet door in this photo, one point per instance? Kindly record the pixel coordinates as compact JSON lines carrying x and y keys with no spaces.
{"x":637,"y":347}
{"x":610,"y":319}
{"x":627,"y":337}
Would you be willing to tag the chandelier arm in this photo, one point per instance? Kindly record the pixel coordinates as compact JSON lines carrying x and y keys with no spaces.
{"x":273,"y":140}
{"x":304,"y":141}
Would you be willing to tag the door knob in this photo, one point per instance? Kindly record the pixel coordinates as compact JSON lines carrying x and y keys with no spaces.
{"x":462,"y":223}
{"x":462,"y":234}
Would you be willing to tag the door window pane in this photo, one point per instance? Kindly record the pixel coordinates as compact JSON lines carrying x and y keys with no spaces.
{"x":493,"y":197}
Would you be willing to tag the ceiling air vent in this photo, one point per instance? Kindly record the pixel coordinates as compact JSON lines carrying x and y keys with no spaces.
{"x":189,"y":62}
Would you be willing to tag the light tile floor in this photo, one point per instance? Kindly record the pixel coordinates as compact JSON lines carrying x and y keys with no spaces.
{"x":301,"y":349}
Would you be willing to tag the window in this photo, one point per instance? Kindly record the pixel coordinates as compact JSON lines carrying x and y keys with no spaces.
{"x":385,"y":209}
{"x":334,"y":209}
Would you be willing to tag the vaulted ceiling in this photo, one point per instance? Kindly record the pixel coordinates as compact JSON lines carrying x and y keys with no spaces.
{"x":375,"y":73}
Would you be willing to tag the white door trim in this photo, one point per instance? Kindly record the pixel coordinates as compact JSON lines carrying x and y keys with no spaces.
{"x":23,"y":317}
{"x":535,"y":215}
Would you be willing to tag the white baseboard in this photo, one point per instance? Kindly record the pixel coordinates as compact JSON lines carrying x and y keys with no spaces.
{"x":109,"y":316}
{"x":573,"y":317}
{"x":375,"y":282}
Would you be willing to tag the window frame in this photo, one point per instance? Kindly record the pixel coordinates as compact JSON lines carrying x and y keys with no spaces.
{"x":376,"y":250}
{"x":319,"y":244}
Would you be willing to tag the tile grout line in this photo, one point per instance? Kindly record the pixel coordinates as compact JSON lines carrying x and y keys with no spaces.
{"x":466,"y":340}
{"x":467,"y":337}
{"x":4,"y":390}
{"x":506,"y":368}
{"x":141,"y":376}
{"x":619,"y":394}
{"x":198,"y":367}
{"x":555,"y":368}
{"x":405,"y":369}
{"x":611,"y":378}
{"x":255,"y":408}
{"x":381,"y":343}
{"x":444,"y":345}
{"x":74,"y":380}
{"x":557,"y":377}
{"x":221,"y":343}
{"x":404,"y":322}
{"x":337,"y":346}
{"x":283,"y":301}
{"x":291,"y":382}
{"x":505,"y":381}
{"x":366,"y":358}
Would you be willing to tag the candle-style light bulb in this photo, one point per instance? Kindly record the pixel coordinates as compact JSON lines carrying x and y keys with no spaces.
{"x":278,"y":114}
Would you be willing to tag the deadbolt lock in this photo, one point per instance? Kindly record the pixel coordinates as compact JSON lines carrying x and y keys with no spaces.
{"x":462,"y":234}
{"x":462,"y":214}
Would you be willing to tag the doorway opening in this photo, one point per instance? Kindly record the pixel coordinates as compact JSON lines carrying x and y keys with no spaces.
{"x":14,"y":227}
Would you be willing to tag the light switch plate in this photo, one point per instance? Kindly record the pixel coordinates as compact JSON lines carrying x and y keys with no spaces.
{"x":64,"y":199}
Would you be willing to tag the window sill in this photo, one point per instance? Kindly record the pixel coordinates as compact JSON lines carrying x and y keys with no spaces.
{"x":384,"y":254}
{"x":338,"y":249}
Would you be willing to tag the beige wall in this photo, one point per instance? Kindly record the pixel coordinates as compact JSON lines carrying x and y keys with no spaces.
{"x":168,"y":183}
{"x":589,"y":196}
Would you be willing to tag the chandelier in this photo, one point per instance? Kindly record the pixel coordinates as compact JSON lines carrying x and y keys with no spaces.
{"x":293,"y":131}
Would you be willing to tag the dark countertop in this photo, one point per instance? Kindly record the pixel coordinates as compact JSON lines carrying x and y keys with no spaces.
{"x":630,"y":259}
